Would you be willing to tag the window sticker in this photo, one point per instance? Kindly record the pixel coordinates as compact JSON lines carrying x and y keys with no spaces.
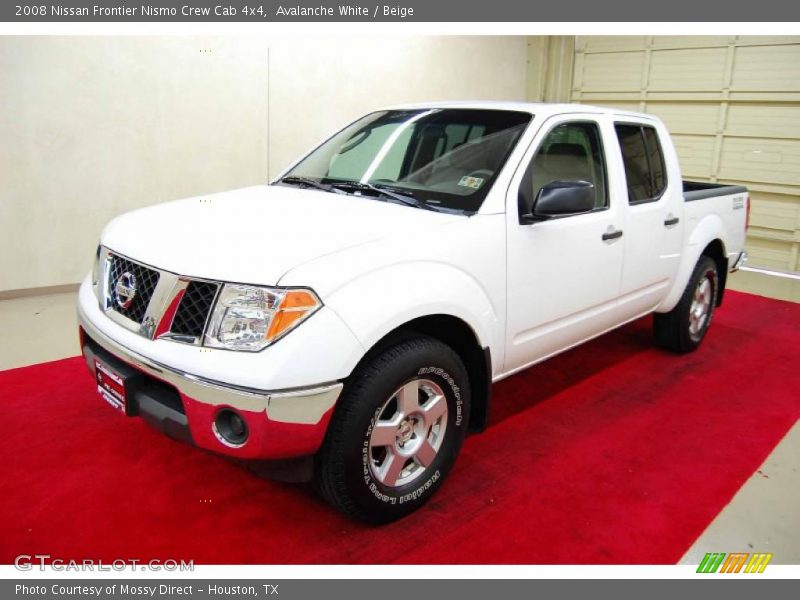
{"x":471,"y":182}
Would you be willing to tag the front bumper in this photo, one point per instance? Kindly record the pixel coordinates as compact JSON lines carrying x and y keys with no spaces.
{"x":281,"y":424}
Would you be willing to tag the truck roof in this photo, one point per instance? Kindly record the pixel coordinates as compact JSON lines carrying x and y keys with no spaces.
{"x":541,"y":109}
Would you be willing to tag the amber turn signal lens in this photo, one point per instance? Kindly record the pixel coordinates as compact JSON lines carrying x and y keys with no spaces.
{"x":295,"y":306}
{"x":298,"y":299}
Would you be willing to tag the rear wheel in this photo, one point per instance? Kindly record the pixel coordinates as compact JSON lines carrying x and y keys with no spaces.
{"x":396,"y":431}
{"x":684,"y":327}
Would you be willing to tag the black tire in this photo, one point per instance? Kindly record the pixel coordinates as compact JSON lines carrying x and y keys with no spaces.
{"x":673,"y":330}
{"x":347,"y":468}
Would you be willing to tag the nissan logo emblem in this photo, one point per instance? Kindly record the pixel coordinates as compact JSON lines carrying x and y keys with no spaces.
{"x":125,"y":290}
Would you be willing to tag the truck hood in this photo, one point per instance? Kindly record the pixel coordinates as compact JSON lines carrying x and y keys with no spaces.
{"x":256,"y":235}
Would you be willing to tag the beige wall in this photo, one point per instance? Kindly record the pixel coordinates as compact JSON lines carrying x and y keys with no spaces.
{"x":337,"y":80}
{"x":92,"y":127}
{"x":550,"y":64}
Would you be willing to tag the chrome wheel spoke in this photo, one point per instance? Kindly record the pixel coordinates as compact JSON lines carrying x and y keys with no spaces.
{"x":390,"y":470}
{"x":434,"y":408}
{"x":700,"y":308}
{"x":384,"y":434}
{"x":426,"y":454}
{"x":408,"y":398}
{"x":405,"y":442}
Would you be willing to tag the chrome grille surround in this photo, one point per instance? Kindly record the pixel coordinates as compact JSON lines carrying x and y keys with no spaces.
{"x":144,"y":279}
{"x":163,"y":298}
{"x":195,"y":308}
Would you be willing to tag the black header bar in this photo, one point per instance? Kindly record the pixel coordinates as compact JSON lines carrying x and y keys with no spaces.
{"x":260,"y":11}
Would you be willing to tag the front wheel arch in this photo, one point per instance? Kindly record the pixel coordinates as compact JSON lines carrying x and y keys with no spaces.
{"x":458,"y":335}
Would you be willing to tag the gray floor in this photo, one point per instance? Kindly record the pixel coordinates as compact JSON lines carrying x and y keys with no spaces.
{"x":38,"y":329}
{"x":764,"y":516}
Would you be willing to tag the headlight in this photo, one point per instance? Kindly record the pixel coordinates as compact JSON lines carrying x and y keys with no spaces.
{"x":247,"y":317}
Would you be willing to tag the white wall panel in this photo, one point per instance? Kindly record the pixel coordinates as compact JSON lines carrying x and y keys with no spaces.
{"x":91,"y":127}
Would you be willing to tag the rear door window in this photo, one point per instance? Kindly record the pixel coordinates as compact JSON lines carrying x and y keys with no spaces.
{"x":655,"y":158}
{"x":644,"y":162}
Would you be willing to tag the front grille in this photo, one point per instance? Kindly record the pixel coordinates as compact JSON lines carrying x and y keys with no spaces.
{"x":146,"y":281}
{"x":190,"y":318}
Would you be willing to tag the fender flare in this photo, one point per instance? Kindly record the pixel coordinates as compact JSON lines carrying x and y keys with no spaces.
{"x":380,"y":301}
{"x":460,"y":312}
{"x":709,"y":229}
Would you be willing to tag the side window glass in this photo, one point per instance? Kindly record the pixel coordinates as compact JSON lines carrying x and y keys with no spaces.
{"x":634,"y":156}
{"x":572,"y":151}
{"x":656,"y":159}
{"x":644,"y":162}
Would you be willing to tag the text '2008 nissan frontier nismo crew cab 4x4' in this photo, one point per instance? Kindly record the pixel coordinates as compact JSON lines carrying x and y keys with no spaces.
{"x":349,"y":318}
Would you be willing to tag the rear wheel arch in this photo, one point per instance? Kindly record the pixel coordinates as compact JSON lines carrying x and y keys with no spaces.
{"x":683,"y":328}
{"x":707,"y":240}
{"x":716,"y":251}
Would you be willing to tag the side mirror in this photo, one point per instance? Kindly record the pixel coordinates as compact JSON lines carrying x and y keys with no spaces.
{"x":562,"y":198}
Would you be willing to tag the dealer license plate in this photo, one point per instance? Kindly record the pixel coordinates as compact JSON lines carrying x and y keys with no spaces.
{"x":110,"y":385}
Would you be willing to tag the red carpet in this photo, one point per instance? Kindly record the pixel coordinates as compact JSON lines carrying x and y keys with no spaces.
{"x":615,"y":452}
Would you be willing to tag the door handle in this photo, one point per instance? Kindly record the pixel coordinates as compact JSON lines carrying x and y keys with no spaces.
{"x":612,"y":234}
{"x":670,"y":221}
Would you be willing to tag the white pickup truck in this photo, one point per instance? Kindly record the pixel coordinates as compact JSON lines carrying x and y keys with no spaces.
{"x":349,"y":319}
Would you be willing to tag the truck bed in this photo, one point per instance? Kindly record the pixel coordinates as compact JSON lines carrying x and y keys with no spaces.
{"x":727,"y":203}
{"x":699,"y":190}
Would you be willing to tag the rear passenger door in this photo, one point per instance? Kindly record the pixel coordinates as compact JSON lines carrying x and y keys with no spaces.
{"x":653,"y":228}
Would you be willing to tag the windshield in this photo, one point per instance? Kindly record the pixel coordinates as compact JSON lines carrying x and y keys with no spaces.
{"x":441,"y":159}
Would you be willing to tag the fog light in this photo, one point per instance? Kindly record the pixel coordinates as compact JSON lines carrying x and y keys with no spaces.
{"x":230,"y":428}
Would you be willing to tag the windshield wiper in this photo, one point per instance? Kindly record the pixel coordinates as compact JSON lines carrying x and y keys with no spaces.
{"x":307,"y":181}
{"x":360,"y":186}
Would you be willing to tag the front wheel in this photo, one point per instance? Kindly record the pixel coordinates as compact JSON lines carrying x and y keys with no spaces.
{"x":684,"y":327}
{"x":396,"y":431}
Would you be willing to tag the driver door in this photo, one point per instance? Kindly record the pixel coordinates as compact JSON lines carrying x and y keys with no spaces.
{"x":564,"y":273}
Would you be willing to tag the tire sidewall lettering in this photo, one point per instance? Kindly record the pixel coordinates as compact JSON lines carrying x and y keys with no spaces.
{"x":444,"y":375}
{"x":428,"y":483}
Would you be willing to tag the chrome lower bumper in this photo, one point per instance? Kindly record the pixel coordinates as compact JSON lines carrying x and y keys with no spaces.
{"x":286,"y":423}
